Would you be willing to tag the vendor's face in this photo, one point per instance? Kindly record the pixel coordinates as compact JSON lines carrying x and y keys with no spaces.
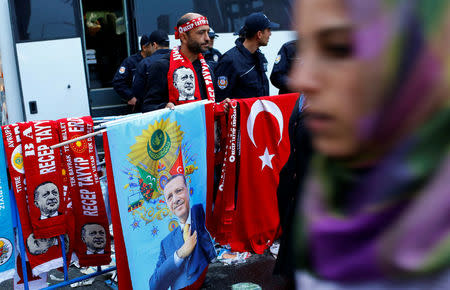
{"x":342,"y":90}
{"x":47,"y":198}
{"x":198,"y":39}
{"x":94,"y":236}
{"x":185,"y":82}
{"x":177,"y":198}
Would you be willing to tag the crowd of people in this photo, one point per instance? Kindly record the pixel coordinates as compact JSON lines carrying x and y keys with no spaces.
{"x":142,"y":78}
{"x":365,"y":188}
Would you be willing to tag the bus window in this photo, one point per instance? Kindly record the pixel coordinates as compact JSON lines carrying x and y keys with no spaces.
{"x":223,"y":15}
{"x":105,"y":39}
{"x":44,"y":20}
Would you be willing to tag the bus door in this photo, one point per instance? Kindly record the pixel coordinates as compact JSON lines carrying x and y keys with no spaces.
{"x":107,"y":33}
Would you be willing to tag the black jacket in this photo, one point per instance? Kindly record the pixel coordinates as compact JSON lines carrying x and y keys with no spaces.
{"x":123,"y":78}
{"x":241,"y":74}
{"x":141,"y":80}
{"x":282,"y":66}
{"x":292,"y":176}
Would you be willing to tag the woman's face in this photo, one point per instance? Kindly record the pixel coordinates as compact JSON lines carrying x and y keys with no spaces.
{"x":341,"y":89}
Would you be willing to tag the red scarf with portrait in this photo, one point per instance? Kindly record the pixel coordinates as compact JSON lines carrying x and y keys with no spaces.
{"x":85,"y":191}
{"x":44,"y":178}
{"x":44,"y":254}
{"x":177,"y":61}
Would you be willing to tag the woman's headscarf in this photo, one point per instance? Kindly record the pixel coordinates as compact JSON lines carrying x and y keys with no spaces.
{"x":392,"y":218}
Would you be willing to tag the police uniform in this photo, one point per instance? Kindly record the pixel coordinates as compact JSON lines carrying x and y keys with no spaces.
{"x":212,"y":55}
{"x":282,"y":66}
{"x":241,"y":74}
{"x":123,"y":78}
{"x":141,"y":80}
{"x":157,"y":95}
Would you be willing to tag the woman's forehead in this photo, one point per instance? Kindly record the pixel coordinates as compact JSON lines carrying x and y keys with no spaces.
{"x":313,"y":16}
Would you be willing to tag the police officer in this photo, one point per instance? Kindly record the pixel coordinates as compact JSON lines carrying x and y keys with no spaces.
{"x":212,"y":55}
{"x":159,"y":46}
{"x":241,"y":72}
{"x":282,"y":66}
{"x":123,"y":78}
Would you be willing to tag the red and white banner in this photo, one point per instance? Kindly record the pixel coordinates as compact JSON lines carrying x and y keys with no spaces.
{"x":264,"y":149}
{"x":44,"y":182}
{"x":92,"y":240}
{"x":43,"y":254}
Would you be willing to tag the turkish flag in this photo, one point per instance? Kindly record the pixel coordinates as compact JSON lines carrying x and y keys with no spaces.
{"x":264,"y":151}
{"x":178,"y":167}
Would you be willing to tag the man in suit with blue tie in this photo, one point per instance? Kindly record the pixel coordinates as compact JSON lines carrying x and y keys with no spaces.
{"x":186,"y":251}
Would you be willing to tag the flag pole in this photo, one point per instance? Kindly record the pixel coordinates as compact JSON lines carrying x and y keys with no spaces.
{"x":77,"y":139}
{"x":104,"y":126}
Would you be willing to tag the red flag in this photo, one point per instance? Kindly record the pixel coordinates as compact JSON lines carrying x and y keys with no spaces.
{"x":178,"y":167}
{"x":264,"y":151}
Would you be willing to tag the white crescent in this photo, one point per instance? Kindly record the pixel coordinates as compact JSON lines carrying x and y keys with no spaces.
{"x":266,"y":106}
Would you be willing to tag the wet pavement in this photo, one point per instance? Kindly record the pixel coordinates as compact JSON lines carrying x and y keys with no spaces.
{"x":257,"y":269}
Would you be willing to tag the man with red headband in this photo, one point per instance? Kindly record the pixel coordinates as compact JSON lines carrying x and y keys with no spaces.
{"x":182,"y":75}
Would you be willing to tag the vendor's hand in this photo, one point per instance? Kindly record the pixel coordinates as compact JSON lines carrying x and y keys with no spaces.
{"x":170,"y":106}
{"x":226,"y":105}
{"x":188,"y":246}
{"x":132,"y":101}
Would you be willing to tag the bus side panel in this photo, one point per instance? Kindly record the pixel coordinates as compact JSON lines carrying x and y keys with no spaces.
{"x":53,"y":79}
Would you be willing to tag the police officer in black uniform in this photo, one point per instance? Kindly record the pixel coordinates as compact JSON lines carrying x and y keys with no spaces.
{"x":123,"y":78}
{"x":282,"y":66}
{"x":241,"y":72}
{"x":212,"y":55}
{"x":159,"y":45}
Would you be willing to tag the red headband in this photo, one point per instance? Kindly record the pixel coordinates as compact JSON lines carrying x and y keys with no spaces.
{"x":190,"y":25}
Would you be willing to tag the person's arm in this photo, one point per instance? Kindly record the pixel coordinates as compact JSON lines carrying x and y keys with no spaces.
{"x":157,"y":95}
{"x":122,"y":81}
{"x":279,"y":76}
{"x":226,"y":76}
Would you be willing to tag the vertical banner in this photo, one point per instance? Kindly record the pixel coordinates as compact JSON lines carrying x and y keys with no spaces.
{"x":43,"y":173}
{"x":92,"y":239}
{"x":7,"y":255}
{"x":246,"y":210}
{"x":44,"y":254}
{"x":264,"y":151}
{"x":160,"y":171}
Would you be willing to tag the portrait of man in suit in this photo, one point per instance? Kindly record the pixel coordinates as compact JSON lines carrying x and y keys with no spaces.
{"x":184,"y":82}
{"x":94,"y":236}
{"x":40,"y":246}
{"x":186,"y":251}
{"x":46,"y":198}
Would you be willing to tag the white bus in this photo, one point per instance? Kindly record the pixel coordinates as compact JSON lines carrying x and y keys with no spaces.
{"x":58,"y":57}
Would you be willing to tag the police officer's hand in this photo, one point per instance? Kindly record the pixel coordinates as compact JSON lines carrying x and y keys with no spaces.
{"x":132,"y":102}
{"x":188,"y":246}
{"x":170,"y":106}
{"x":226,"y":104}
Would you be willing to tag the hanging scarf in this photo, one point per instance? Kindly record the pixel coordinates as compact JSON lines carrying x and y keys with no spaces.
{"x":43,"y":174}
{"x":43,"y":254}
{"x":224,"y":208}
{"x":92,"y":239}
{"x":183,"y":81}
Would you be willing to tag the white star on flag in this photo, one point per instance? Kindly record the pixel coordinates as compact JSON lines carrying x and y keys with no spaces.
{"x":266,"y":159}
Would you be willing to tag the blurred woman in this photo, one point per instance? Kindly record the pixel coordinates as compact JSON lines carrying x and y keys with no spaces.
{"x":374,"y":211}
